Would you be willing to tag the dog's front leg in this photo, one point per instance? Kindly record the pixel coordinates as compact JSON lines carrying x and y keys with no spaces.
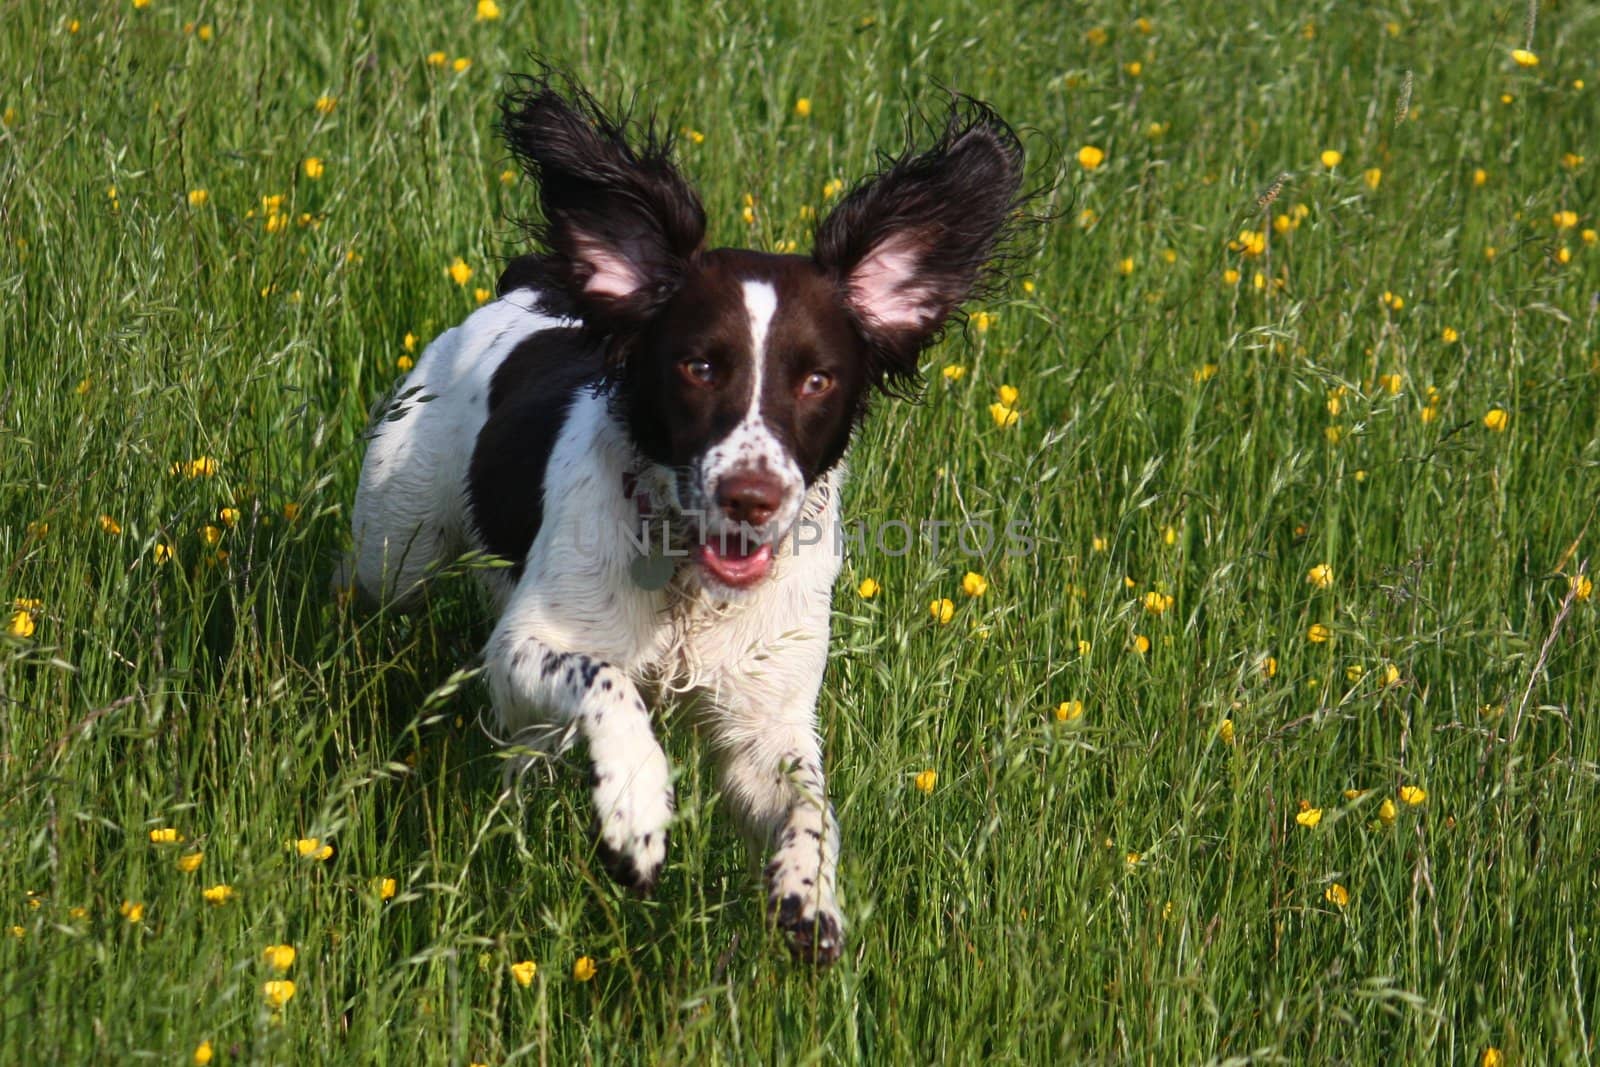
{"x":532,"y":682}
{"x":772,"y":776}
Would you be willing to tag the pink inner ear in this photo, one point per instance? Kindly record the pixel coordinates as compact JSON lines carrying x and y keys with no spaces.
{"x":610,"y":274}
{"x":886,"y":289}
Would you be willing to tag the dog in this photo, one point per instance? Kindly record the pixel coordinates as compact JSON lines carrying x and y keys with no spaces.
{"x":651,"y":435}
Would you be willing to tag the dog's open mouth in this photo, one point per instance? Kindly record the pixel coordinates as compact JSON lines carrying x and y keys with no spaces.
{"x":733,"y":560}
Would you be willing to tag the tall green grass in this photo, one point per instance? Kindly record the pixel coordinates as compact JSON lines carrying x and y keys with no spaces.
{"x":1133,"y":883}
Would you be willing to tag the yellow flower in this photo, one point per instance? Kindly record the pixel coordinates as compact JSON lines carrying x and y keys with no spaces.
{"x":165,"y":835}
{"x":1387,"y":812}
{"x":189,"y":862}
{"x":1413,"y":795}
{"x":218,"y":894}
{"x":1084,"y":647}
{"x":1565,"y":219}
{"x":1269,"y":666}
{"x":1449,"y":335}
{"x":1308,"y":816}
{"x":1497,"y":419}
{"x":523,"y":972}
{"x":1390,"y":674}
{"x":1337,"y":895}
{"x":982,"y":320}
{"x":1318,"y":634}
{"x":384,"y":888}
{"x":1332,"y":157}
{"x":161,"y":551}
{"x":1125,"y":266}
{"x":1492,"y":1058}
{"x":1134,"y":68}
{"x":1480,"y":177}
{"x":279,"y":957}
{"x":942,"y":610}
{"x":868,"y":588}
{"x":132,"y":910}
{"x":974,"y":584}
{"x":204,"y":33}
{"x":459,"y":272}
{"x":1563,"y":255}
{"x":1524,"y":58}
{"x":437,"y":59}
{"x":312,"y":848}
{"x":1068,"y":710}
{"x":325,"y":104}
{"x":461,"y":64}
{"x":404,"y":363}
{"x":1571,"y":160}
{"x":1009,"y":395}
{"x":140,"y":5}
{"x":1144,"y":25}
{"x":1251,"y":242}
{"x":1355,"y":672}
{"x":1141,"y":644}
{"x":228,"y":516}
{"x":1320,"y":576}
{"x":291,"y":511}
{"x":488,"y":10}
{"x":277,"y":993}
{"x":198,"y":197}
{"x":1132,"y":860}
{"x":1392,"y":301}
{"x":21,"y":624}
{"x":1157,"y":603}
{"x":583,"y":969}
{"x":410,"y":342}
{"x":313,"y":167}
{"x":954,"y":372}
{"x":1373,"y":177}
{"x":1090,"y":157}
{"x":202,"y":1054}
{"x":802,"y":107}
{"x":210,"y":535}
{"x":1225,"y":731}
{"x":1581,"y":587}
{"x":1003,"y":416}
{"x":1230,"y":277}
{"x":832,"y":188}
{"x":1590,"y":236}
{"x":1205,"y":372}
{"x":481,"y":296}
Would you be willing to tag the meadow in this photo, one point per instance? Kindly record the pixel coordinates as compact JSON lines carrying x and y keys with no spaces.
{"x":1274,"y":749}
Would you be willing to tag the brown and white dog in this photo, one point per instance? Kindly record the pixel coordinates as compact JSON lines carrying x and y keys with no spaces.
{"x":652,"y":433}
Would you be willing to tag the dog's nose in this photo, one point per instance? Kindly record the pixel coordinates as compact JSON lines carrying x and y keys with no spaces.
{"x":749,"y":498}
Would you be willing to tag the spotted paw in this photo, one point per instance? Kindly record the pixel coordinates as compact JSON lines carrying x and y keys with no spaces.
{"x":632,"y":813}
{"x":816,"y":935}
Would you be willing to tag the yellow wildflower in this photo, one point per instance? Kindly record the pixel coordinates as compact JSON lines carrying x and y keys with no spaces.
{"x":165,"y":835}
{"x":802,"y":107}
{"x":1580,"y":586}
{"x":954,"y":372}
{"x":459,"y":272}
{"x":132,"y":910}
{"x":1068,"y":710}
{"x":1225,"y":731}
{"x":1522,"y":57}
{"x":325,"y":104}
{"x":1390,"y":674}
{"x":228,"y":516}
{"x":1497,"y":419}
{"x":1251,"y":242}
{"x":461,"y":64}
{"x":583,"y":969}
{"x":1157,"y":603}
{"x":277,"y":993}
{"x":1141,"y":644}
{"x":868,"y":588}
{"x":218,"y":894}
{"x":832,"y":188}
{"x":1565,"y":219}
{"x":1003,"y":416}
{"x":291,"y":511}
{"x":437,"y":59}
{"x":1387,"y":812}
{"x":1320,"y":576}
{"x":1090,"y":157}
{"x":1009,"y":395}
{"x":982,"y":320}
{"x":313,"y":168}
{"x":384,"y":887}
{"x":189,"y":862}
{"x":162,"y":552}
{"x":198,"y":197}
{"x":404,"y":363}
{"x":481,"y":296}
{"x":1318,"y":634}
{"x":488,"y":10}
{"x":21,"y":625}
{"x":1084,"y":647}
{"x":942,"y":610}
{"x":1413,"y":795}
{"x":1097,"y":36}
{"x":1125,"y":266}
{"x":312,"y":848}
{"x":1230,"y":277}
{"x":202,"y":1054}
{"x":1492,"y":1057}
{"x":523,"y":972}
{"x":1373,"y":177}
{"x":1308,"y":816}
{"x":1205,"y":372}
{"x":974,"y":584}
{"x":1337,"y":895}
{"x":279,"y":957}
{"x":210,"y":535}
{"x":1332,"y":157}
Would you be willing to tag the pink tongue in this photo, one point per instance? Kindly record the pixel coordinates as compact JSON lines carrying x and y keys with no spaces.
{"x":735,"y":564}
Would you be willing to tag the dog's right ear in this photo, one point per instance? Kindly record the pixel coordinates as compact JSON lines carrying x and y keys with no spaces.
{"x":620,"y":222}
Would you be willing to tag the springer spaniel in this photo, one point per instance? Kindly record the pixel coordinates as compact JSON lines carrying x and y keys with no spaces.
{"x":652,"y":433}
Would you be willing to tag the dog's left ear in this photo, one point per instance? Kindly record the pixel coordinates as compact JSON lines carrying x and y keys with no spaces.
{"x":910,"y":245}
{"x":621,"y":223}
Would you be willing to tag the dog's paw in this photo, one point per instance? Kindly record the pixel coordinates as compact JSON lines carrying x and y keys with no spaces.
{"x":815,"y":933}
{"x":633,"y":807}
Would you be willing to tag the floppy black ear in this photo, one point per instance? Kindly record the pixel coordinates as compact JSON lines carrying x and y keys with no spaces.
{"x":909,"y":245}
{"x":620,"y":222}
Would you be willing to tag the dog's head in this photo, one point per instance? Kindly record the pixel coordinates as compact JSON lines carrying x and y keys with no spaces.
{"x":743,"y":372}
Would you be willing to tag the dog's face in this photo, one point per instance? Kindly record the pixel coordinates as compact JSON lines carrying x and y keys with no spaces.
{"x":743,"y":373}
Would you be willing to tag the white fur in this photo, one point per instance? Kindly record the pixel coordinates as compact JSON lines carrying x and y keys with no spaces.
{"x":577,"y":638}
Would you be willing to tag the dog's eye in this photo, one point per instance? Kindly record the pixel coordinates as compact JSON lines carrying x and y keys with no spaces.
{"x":816,"y":383}
{"x":698,"y":371}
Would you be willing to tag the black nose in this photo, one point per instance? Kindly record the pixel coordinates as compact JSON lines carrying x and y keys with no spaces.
{"x":749,"y":498}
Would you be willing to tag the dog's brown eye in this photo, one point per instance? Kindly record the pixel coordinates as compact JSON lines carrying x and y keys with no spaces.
{"x":698,"y":371}
{"x":816,"y":383}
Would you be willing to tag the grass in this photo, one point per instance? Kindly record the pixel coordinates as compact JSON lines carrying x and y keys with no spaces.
{"x":1129,"y":884}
